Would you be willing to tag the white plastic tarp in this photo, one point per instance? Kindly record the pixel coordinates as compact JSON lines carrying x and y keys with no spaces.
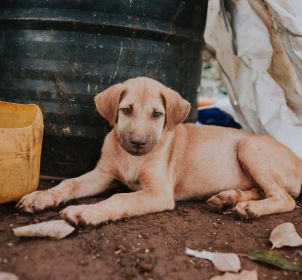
{"x":258,"y":45}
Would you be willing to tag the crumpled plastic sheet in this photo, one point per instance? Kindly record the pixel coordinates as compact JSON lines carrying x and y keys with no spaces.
{"x":258,"y":46}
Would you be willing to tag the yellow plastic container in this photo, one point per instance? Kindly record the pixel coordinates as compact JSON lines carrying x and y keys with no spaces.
{"x":21,"y":133}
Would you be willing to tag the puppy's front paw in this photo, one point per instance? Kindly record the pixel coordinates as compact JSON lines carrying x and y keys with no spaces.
{"x":36,"y":201}
{"x":82,"y":214}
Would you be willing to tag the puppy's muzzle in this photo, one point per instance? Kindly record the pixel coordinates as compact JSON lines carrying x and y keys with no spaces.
{"x":138,"y":143}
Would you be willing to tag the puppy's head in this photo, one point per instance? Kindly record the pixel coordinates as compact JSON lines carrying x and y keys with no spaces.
{"x":141,"y":109}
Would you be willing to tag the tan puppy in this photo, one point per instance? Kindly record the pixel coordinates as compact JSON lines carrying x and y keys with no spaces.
{"x":164,"y":161}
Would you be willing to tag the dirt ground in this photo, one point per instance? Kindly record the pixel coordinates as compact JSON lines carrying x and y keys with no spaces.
{"x":146,"y":247}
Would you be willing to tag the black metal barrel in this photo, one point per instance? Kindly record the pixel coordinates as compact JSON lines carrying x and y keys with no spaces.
{"x":59,"y":54}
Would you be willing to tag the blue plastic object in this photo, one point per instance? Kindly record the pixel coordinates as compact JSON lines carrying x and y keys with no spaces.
{"x":215,"y":116}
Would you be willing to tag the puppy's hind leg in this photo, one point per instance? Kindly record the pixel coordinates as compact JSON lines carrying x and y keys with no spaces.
{"x":91,"y":183}
{"x":272,"y":167}
{"x":230,"y":198}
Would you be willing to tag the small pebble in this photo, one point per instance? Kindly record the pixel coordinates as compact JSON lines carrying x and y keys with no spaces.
{"x":145,"y":266}
{"x":83,"y":262}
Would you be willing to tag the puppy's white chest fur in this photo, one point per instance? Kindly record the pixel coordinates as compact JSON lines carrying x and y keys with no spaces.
{"x":129,"y":174}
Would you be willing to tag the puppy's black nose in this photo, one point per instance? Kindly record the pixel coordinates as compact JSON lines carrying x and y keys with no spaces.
{"x":138,"y":143}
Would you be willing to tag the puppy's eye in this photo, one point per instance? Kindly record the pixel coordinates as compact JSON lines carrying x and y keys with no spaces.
{"x":157,"y":115}
{"x":126,"y":110}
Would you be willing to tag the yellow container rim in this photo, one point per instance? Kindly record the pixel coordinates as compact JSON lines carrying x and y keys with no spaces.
{"x":18,"y":116}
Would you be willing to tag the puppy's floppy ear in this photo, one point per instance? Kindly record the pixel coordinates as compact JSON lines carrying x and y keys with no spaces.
{"x":177,"y":108}
{"x":107,"y":102}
